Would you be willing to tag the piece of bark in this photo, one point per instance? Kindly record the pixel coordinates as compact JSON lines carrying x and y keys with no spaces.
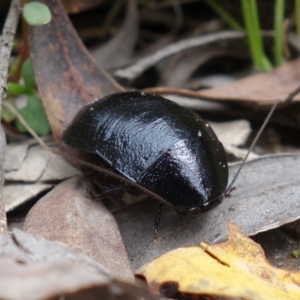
{"x":7,"y":39}
{"x":16,"y":194}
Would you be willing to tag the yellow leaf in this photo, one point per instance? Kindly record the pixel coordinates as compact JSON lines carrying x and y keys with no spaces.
{"x":237,"y":268}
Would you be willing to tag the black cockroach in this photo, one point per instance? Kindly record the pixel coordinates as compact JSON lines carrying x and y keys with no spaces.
{"x":152,"y":143}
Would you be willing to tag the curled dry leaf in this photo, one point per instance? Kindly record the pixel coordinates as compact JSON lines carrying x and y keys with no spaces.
{"x":70,"y":215}
{"x":109,"y":55}
{"x":258,"y":203}
{"x":237,"y":268}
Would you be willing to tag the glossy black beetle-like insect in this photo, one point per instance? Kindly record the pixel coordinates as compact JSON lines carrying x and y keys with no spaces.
{"x":155,"y":143}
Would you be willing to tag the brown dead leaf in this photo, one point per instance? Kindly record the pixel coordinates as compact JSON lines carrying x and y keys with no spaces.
{"x":260,"y":89}
{"x":66,"y":75}
{"x":237,"y":268}
{"x":70,"y":215}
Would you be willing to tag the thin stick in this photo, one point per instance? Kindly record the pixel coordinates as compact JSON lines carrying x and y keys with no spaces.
{"x":135,"y":70}
{"x":171,"y":90}
{"x":3,"y":222}
{"x":6,"y":41}
{"x":26,"y":125}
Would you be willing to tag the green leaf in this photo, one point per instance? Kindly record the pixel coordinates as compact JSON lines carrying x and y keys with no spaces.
{"x":27,"y":73}
{"x":36,"y":14}
{"x":35,"y":116}
{"x":7,"y":115}
{"x":17,"y":89}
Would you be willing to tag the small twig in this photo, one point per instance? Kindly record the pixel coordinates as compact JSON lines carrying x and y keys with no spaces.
{"x":141,"y":65}
{"x":6,"y":41}
{"x":26,"y":125}
{"x":174,"y":91}
{"x":3,"y":222}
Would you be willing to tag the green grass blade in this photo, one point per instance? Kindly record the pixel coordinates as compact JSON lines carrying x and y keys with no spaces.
{"x":253,"y":30}
{"x":278,"y":27}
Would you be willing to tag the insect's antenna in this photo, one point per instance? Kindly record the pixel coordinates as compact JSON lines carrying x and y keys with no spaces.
{"x":289,"y":98}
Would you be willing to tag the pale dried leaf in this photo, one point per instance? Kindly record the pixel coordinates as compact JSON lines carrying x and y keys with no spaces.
{"x":15,"y":153}
{"x":29,"y":164}
{"x":24,"y":246}
{"x":32,"y":167}
{"x":33,"y":267}
{"x":58,"y":169}
{"x":232,"y":135}
{"x":21,"y":279}
{"x":3,"y":223}
{"x":17,"y":194}
{"x":259,"y":203}
{"x":14,"y":156}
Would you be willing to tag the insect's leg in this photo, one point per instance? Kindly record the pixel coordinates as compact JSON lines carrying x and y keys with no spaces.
{"x":157,"y":221}
{"x":107,"y":191}
{"x":228,"y":193}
